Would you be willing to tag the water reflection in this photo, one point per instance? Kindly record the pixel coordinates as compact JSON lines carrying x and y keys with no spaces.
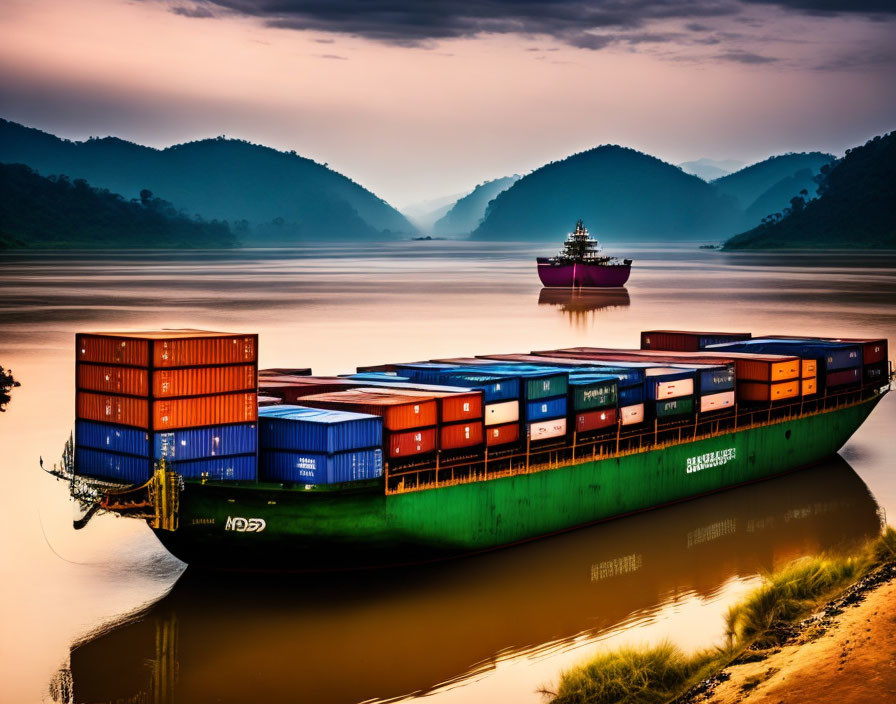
{"x":580,"y":305}
{"x":386,"y":635}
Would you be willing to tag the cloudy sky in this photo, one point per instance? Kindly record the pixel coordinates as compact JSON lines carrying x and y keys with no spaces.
{"x":417,"y":99}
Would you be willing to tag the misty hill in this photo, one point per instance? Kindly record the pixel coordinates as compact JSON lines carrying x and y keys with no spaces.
{"x":709,"y":169}
{"x":855,"y":207}
{"x":282,"y":197}
{"x":619,"y":192}
{"x":39,"y":212}
{"x":424,"y":214}
{"x":466,"y":214}
{"x":753,"y":182}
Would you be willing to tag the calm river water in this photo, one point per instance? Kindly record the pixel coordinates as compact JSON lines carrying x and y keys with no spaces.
{"x":106,"y":615}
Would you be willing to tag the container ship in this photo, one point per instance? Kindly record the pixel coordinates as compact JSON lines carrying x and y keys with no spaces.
{"x":581,"y":265}
{"x":238,"y":468}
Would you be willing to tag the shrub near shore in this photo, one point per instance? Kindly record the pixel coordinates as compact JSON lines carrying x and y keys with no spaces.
{"x":660,"y":673}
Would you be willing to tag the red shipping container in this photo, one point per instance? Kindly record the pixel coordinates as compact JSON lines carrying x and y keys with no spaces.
{"x":595,"y":420}
{"x":685,"y":340}
{"x":285,"y":371}
{"x":458,"y":435}
{"x":843,"y":377}
{"x":399,"y":412}
{"x":167,"y":348}
{"x":502,"y":434}
{"x":293,"y":388}
{"x":130,"y":381}
{"x":408,"y":443}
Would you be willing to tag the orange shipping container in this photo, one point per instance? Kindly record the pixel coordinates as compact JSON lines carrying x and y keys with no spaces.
{"x":167,"y":348}
{"x":107,"y":408}
{"x":192,"y":381}
{"x":409,"y":443}
{"x":458,"y":435}
{"x":399,"y":412}
{"x":502,"y":434}
{"x":808,"y":387}
{"x":454,"y":406}
{"x":205,"y":410}
{"x":778,"y":391}
{"x":808,"y":368}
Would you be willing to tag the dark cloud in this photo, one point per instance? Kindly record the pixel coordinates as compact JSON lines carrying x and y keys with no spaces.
{"x":590,"y":24}
{"x":745,"y":57}
{"x":335,"y":57}
{"x":200,"y":11}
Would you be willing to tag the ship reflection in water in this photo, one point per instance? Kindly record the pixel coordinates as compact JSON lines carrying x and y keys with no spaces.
{"x":581,"y":304}
{"x":384,"y":635}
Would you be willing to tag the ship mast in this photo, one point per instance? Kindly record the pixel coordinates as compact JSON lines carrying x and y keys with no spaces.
{"x":579,"y":245}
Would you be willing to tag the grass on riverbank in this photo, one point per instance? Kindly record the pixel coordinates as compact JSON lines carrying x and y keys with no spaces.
{"x":656,"y":674}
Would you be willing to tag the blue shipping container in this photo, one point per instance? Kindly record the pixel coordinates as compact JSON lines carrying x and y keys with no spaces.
{"x":112,"y":438}
{"x":546,"y":408}
{"x":112,"y":466}
{"x":631,"y":395}
{"x":321,"y":468}
{"x":495,"y":388}
{"x":239,"y":468}
{"x":626,"y":376}
{"x":377,"y":376}
{"x":317,"y":429}
{"x":654,"y":380}
{"x":714,"y":379}
{"x":211,"y":441}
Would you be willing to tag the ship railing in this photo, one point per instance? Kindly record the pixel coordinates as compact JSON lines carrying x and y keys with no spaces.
{"x":616,"y":442}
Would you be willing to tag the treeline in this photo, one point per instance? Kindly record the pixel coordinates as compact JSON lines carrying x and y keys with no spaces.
{"x":855,"y":207}
{"x":51,"y":212}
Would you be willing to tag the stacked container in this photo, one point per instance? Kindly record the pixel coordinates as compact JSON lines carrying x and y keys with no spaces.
{"x":186,"y":396}
{"x":318,"y":446}
{"x":291,"y":388}
{"x":685,"y":341}
{"x":592,"y":402}
{"x":875,"y":357}
{"x":409,"y":422}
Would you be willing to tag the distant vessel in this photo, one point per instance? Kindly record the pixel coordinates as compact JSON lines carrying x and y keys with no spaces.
{"x":581,"y":265}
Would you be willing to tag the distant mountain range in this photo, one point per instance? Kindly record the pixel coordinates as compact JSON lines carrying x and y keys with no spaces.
{"x":466,"y":214}
{"x":625,"y":194}
{"x":272,"y":197}
{"x":709,"y":169}
{"x":855,"y":207}
{"x":41,"y":212}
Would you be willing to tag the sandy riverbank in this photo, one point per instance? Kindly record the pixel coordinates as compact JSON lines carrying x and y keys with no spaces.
{"x":845,"y":652}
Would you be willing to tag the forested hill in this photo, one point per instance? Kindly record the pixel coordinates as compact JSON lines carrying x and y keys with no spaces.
{"x":752,"y":182}
{"x":855,"y":207}
{"x":39,"y":212}
{"x":466,"y":214}
{"x":620,"y":193}
{"x":280,"y":196}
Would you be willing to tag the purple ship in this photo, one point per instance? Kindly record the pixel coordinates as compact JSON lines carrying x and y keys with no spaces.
{"x":581,"y":265}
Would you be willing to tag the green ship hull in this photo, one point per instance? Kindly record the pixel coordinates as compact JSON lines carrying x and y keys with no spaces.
{"x":267,"y":527}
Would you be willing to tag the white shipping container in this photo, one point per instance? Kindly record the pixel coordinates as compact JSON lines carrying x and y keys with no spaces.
{"x":715,"y":402}
{"x":632,"y":414}
{"x":504,"y":412}
{"x":674,"y":389}
{"x":545,"y":429}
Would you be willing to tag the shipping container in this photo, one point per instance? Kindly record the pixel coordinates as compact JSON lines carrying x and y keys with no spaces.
{"x":267,"y":401}
{"x":842,"y":377}
{"x":112,"y":466}
{"x":875,"y":373}
{"x":205,"y":410}
{"x":834,"y":355}
{"x":455,"y":436}
{"x":502,"y":434}
{"x":191,"y":381}
{"x":593,"y":393}
{"x":595,"y":420}
{"x":409,"y":443}
{"x":454,"y":404}
{"x":317,"y":430}
{"x":625,"y":376}
{"x":546,"y":408}
{"x":674,"y":407}
{"x":111,"y":379}
{"x":765,"y":391}
{"x":293,"y":388}
{"x":214,"y":441}
{"x":399,"y":412}
{"x":320,"y":468}
{"x":167,"y":348}
{"x":547,"y":429}
{"x":108,"y":408}
{"x":685,"y":341}
{"x":285,"y":371}
{"x":663,"y":383}
{"x":714,"y":378}
{"x":717,"y":402}
{"x":501,"y":413}
{"x":494,"y":388}
{"x":423,"y":372}
{"x":632,"y":414}
{"x":243,"y":468}
{"x":112,"y":438}
{"x":808,"y":387}
{"x":377,"y":376}
{"x":874,"y":350}
{"x":631,"y":395}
